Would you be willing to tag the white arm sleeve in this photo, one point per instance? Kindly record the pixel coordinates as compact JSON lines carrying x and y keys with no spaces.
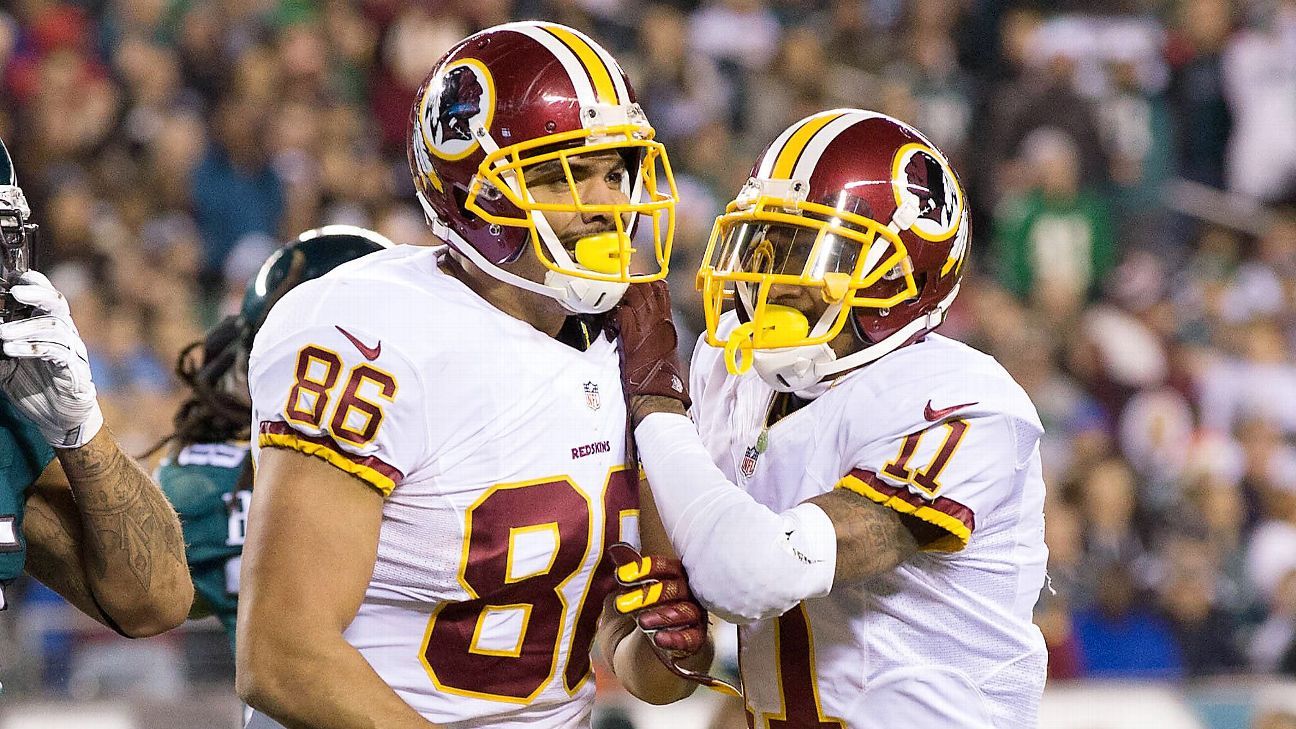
{"x":745,"y":562}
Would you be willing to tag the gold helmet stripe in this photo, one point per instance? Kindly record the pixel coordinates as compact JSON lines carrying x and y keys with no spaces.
{"x":598,"y":71}
{"x":614,"y":68}
{"x":814,"y":150}
{"x":796,"y":145}
{"x":571,"y":63}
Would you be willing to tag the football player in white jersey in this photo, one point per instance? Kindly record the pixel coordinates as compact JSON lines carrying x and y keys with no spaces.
{"x":440,"y":433}
{"x":866,"y":498}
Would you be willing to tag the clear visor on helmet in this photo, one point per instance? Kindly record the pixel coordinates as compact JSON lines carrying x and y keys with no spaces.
{"x":785,"y":250}
{"x":836,"y":255}
{"x":616,"y":178}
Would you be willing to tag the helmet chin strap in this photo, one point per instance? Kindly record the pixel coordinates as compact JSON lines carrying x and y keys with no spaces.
{"x":583,"y":296}
{"x":794,"y":369}
{"x":801,"y":370}
{"x":580,"y":295}
{"x":576,"y":295}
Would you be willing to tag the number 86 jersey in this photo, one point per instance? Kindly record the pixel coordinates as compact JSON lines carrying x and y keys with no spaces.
{"x":500,"y":452}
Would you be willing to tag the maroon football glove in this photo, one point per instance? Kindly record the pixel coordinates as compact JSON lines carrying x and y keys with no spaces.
{"x":649,"y":362}
{"x":654,"y":591}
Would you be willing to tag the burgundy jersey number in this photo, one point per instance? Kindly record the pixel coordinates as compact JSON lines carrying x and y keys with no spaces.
{"x":926,"y":478}
{"x":316,"y":375}
{"x":455,"y":660}
{"x":620,"y":497}
{"x":794,"y":646}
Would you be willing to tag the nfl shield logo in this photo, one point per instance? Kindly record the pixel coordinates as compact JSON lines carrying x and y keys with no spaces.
{"x":748,"y":466}
{"x":592,"y":400}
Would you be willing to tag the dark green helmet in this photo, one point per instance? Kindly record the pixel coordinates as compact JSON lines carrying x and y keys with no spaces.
{"x":313,"y":254}
{"x":215,"y":368}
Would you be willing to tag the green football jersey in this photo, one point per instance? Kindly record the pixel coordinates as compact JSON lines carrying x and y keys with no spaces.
{"x":23,"y":455}
{"x":202,"y":483}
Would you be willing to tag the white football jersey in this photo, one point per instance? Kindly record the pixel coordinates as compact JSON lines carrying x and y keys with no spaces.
{"x":935,"y":430}
{"x":501,"y":454}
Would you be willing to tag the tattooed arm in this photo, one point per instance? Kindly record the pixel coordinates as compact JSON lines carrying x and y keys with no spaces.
{"x":745,"y":561}
{"x":871,"y":538}
{"x":102,"y":535}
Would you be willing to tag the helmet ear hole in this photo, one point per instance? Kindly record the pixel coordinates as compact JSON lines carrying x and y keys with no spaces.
{"x":861,"y":314}
{"x":461,"y":203}
{"x":920,"y":283}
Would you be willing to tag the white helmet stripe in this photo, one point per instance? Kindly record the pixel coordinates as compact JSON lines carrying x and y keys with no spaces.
{"x":819,"y":142}
{"x":613,"y":68}
{"x":766,"y":167}
{"x":570,"y":61}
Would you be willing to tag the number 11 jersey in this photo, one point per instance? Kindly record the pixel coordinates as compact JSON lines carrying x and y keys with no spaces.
{"x":939,"y":433}
{"x":500,"y":452}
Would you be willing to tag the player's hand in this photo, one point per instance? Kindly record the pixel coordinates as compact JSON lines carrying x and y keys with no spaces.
{"x":655,"y":592}
{"x":45,"y":371}
{"x":649,"y":362}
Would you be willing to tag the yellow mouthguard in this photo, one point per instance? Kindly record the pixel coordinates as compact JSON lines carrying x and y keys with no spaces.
{"x":780,"y":326}
{"x":602,"y":253}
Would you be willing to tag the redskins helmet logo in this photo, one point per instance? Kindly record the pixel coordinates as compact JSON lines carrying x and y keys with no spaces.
{"x":921,"y":174}
{"x":459,"y":100}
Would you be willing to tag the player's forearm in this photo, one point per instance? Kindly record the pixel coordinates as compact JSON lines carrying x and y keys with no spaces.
{"x":744,"y":561}
{"x":310,"y":679}
{"x":131,"y":548}
{"x":52,"y":528}
{"x":647,"y":678}
{"x":871,"y":539}
{"x":638,"y":668}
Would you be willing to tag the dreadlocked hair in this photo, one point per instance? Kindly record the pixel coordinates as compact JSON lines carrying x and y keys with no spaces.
{"x":211,"y":414}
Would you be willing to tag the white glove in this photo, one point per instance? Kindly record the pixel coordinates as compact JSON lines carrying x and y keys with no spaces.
{"x":46,"y":371}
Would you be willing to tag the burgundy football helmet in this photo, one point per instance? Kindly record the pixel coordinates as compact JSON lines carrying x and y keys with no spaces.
{"x":859,"y":207}
{"x":509,"y":99}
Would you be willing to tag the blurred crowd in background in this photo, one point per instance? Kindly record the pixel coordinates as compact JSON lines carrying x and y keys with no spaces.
{"x":1131,"y":166}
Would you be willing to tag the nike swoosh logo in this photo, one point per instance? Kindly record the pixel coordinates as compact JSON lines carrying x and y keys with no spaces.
{"x":370,"y":353}
{"x":934,"y":415}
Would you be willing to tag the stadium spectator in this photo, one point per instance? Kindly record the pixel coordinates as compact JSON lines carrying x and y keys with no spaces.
{"x":683,"y":93}
{"x":943,"y":92}
{"x":1039,"y":93}
{"x":1259,"y":76}
{"x":1271,"y":555}
{"x":1196,"y":92}
{"x":234,"y":190}
{"x":1273,"y":647}
{"x":1120,"y":638}
{"x":1109,"y":503}
{"x":1205,"y":633}
{"x":1054,"y":242}
{"x":740,"y":37}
